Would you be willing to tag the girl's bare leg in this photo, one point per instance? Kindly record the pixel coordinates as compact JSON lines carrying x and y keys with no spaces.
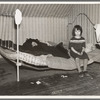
{"x":85,"y":62}
{"x":77,"y":60}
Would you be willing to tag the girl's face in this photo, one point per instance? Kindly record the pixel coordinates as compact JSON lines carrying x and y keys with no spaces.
{"x":77,"y":32}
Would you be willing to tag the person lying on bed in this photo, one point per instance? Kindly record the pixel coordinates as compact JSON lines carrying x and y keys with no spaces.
{"x":36,"y":47}
{"x":77,"y":50}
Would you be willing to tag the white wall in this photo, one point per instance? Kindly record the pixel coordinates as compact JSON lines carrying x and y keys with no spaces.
{"x":53,"y":29}
{"x":45,"y":29}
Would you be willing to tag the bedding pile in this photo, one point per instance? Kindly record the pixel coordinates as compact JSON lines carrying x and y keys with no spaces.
{"x":37,"y":48}
{"x":42,"y":54}
{"x":34,"y":54}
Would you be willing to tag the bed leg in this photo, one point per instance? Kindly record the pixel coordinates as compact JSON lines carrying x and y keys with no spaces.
{"x":18,"y":65}
{"x":17,"y":73}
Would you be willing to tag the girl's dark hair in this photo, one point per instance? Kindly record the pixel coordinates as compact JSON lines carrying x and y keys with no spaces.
{"x":78,"y":27}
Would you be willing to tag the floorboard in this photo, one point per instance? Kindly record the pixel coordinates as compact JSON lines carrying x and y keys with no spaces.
{"x":50,"y":84}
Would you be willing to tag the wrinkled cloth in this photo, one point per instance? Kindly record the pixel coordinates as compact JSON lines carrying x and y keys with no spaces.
{"x":97,"y":30}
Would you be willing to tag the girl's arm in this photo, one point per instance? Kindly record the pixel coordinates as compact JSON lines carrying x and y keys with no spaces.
{"x":75,"y":51}
{"x":83,"y":49}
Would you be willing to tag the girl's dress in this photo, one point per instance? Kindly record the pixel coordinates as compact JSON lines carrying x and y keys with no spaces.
{"x":77,"y":44}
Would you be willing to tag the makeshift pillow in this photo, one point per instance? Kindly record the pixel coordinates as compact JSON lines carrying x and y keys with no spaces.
{"x":89,"y":47}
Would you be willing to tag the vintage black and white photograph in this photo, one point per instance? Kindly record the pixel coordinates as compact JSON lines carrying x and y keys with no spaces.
{"x":50,"y":49}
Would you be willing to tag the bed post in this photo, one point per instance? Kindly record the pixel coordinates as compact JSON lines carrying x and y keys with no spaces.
{"x":18,"y":19}
{"x":17,"y":55}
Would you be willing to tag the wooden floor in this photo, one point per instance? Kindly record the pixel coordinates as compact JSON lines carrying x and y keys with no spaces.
{"x":56,"y":84}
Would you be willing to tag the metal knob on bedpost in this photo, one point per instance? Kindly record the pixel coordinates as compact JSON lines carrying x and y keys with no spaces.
{"x":18,"y":19}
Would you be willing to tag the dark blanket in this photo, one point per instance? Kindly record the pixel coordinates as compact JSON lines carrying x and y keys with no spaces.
{"x":43,"y":49}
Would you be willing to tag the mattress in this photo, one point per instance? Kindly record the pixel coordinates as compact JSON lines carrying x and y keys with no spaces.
{"x":48,"y":60}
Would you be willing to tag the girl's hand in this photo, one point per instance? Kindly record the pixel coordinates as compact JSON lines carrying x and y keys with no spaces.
{"x":78,"y":53}
{"x":82,"y":53}
{"x":83,"y":49}
{"x":75,"y":51}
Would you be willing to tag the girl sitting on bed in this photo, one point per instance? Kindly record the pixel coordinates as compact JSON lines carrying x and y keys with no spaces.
{"x":77,"y":50}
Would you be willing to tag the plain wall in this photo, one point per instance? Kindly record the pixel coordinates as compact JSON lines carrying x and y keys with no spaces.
{"x":44,"y":29}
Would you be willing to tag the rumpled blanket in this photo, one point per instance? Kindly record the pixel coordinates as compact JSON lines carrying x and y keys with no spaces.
{"x":49,"y":60}
{"x":62,"y":63}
